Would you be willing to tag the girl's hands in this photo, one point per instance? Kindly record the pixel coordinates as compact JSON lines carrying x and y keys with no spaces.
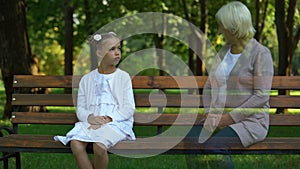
{"x":97,"y":121}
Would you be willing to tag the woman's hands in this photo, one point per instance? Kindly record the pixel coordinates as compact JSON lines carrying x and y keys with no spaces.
{"x":217,"y":120}
{"x":97,"y":121}
{"x":225,"y":121}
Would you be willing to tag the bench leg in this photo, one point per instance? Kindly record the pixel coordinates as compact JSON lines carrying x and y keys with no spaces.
{"x":5,"y":164}
{"x":5,"y":158}
{"x":18,"y":161}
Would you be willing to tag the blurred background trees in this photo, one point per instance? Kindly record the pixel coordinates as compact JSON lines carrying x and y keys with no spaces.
{"x":46,"y":37}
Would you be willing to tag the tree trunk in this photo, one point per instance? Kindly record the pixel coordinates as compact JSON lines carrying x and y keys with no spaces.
{"x":15,"y":53}
{"x":287,"y":42}
{"x":203,"y":28}
{"x":292,"y":39}
{"x":191,"y":61}
{"x":69,"y":9}
{"x":261,"y":13}
{"x":158,"y":40}
{"x":199,"y":43}
{"x":287,"y":39}
{"x":282,"y":45}
{"x":159,"y":44}
{"x":89,"y":26}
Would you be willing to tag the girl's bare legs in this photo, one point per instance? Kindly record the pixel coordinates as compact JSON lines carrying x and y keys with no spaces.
{"x":81,"y":156}
{"x":100,"y":156}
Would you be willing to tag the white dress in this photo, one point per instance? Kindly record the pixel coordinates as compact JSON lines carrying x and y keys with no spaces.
{"x":108,"y":134}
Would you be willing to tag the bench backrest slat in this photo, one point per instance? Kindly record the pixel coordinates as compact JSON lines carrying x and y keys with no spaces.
{"x":42,"y":100}
{"x":279,"y":82}
{"x":286,"y":82}
{"x":143,"y":82}
{"x":142,"y":100}
{"x":45,"y":81}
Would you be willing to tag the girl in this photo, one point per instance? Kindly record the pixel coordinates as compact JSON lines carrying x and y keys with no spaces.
{"x":105,"y":106}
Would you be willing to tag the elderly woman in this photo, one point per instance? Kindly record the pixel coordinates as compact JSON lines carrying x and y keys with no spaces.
{"x":245,"y":74}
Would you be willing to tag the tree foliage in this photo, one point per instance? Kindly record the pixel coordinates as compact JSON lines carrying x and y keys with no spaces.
{"x":46,"y":26}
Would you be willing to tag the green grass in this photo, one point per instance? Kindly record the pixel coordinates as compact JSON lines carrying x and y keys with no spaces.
{"x":66,"y":160}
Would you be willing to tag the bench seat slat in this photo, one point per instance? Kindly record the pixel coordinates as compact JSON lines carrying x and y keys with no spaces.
{"x":45,"y":143}
{"x":141,"y":119}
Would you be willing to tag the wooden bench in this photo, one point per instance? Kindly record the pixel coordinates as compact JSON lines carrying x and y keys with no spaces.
{"x":160,"y":93}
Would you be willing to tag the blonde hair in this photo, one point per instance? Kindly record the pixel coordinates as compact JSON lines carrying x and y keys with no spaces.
{"x":236,"y":18}
{"x":98,"y":40}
